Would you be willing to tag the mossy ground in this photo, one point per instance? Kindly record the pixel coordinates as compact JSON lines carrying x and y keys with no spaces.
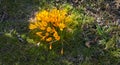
{"x":18,"y":48}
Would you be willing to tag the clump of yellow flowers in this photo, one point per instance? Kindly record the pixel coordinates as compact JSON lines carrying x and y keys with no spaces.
{"x":50,"y":23}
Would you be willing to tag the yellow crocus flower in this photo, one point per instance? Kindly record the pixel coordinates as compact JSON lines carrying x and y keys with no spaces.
{"x":43,"y":37}
{"x":61,"y":26}
{"x":44,"y":23}
{"x":49,"y":39}
{"x":39,"y":34}
{"x":49,"y":29}
{"x":55,"y":34}
{"x":46,"y":34}
{"x":42,"y":28}
{"x":57,"y":38}
{"x":32,"y":26}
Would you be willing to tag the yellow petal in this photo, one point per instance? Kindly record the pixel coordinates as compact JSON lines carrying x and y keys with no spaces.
{"x":46,"y":34}
{"x":49,"y":39}
{"x":44,"y":23}
{"x":39,"y":34}
{"x":43,"y":38}
{"x":32,"y":26}
{"x":61,"y":26}
{"x":42,"y":28}
{"x":57,"y":38}
{"x":55,"y":34}
{"x":49,"y":29}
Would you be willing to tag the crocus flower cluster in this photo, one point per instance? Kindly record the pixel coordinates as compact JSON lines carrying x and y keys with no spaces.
{"x":49,"y":24}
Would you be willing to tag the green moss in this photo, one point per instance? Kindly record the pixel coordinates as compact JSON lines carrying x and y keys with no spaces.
{"x":101,"y":51}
